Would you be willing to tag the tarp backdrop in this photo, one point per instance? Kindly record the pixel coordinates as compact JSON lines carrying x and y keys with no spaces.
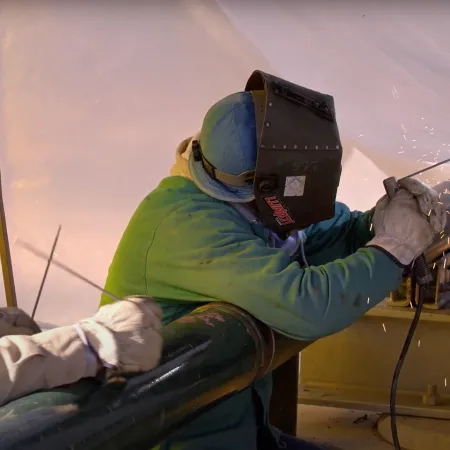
{"x":95,"y":96}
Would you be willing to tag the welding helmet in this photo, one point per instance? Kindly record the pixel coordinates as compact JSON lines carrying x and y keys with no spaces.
{"x":276,"y":143}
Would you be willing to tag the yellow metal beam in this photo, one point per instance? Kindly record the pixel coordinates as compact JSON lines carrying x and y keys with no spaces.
{"x":353,"y":369}
{"x":5,"y":256}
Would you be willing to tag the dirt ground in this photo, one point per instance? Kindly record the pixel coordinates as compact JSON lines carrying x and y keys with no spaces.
{"x":341,"y":428}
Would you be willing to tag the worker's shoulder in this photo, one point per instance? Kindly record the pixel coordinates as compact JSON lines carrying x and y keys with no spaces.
{"x":178,"y":202}
{"x":175,"y":191}
{"x":174,"y":187}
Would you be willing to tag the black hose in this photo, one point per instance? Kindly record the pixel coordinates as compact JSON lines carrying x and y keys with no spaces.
{"x":399,"y":366}
{"x":423,"y":277}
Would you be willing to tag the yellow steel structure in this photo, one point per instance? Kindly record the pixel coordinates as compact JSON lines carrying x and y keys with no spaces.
{"x":5,"y":256}
{"x":353,"y":369}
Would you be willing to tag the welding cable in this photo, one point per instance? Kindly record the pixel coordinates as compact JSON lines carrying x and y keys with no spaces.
{"x":422,"y":272}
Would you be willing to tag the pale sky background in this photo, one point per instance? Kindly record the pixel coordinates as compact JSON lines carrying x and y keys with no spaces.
{"x":95,"y":96}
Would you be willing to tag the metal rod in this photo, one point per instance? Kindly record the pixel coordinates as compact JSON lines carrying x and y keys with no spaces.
{"x":5,"y":256}
{"x":62,"y":266}
{"x":425,"y":170}
{"x":44,"y":278}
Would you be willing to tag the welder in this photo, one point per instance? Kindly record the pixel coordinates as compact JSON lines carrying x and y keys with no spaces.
{"x":249,"y":216}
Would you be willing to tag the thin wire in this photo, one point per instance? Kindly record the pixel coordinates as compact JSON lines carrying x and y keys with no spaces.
{"x":425,"y":170}
{"x":62,"y":266}
{"x":44,"y":278}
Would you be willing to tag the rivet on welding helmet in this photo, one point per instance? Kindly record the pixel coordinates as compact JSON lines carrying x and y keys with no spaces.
{"x":266,"y":186}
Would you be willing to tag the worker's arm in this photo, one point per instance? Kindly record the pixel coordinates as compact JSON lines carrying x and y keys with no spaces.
{"x":42,"y":361}
{"x":123,"y":337}
{"x":340,"y":236}
{"x":213,"y":254}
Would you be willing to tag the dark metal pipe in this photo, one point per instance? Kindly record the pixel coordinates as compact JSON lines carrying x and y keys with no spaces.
{"x":209,"y":354}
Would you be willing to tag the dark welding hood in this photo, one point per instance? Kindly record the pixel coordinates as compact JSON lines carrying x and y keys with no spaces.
{"x":299,"y":157}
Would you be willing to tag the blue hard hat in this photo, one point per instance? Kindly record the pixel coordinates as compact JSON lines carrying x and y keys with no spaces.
{"x":228,"y":142}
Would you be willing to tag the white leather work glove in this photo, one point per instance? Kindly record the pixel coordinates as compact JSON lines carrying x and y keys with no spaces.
{"x":16,"y":321}
{"x":402,"y":229}
{"x":428,"y":200}
{"x":126,"y":335}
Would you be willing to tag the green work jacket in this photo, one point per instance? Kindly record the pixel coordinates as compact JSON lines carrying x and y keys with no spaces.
{"x":185,"y":248}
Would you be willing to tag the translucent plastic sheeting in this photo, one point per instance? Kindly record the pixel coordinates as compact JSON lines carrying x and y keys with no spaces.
{"x":95,"y":96}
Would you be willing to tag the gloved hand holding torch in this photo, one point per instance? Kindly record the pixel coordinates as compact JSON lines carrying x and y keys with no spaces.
{"x":406,"y":221}
{"x":406,"y":224}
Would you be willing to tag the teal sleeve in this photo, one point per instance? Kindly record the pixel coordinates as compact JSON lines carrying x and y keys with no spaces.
{"x":338,"y":237}
{"x":361,"y":229}
{"x":209,"y":256}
